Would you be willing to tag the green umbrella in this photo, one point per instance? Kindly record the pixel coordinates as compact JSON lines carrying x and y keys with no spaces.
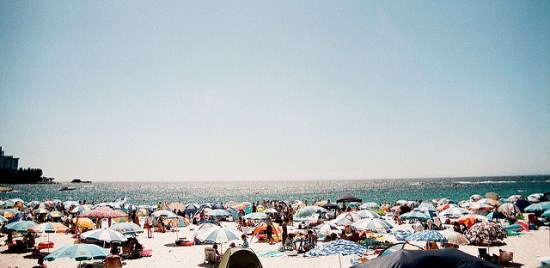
{"x":19,"y":226}
{"x":79,"y":252}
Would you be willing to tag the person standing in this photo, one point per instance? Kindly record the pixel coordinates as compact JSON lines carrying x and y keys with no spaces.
{"x":285,"y":232}
{"x":269,"y":233}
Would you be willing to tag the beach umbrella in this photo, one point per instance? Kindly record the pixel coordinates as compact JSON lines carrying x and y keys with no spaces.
{"x":49,"y":227}
{"x":514,"y":198}
{"x":426,"y":206}
{"x":55,"y":214}
{"x":326,"y":228}
{"x":79,"y":252}
{"x":68,"y":204}
{"x":218,"y":213}
{"x":538,"y":207}
{"x":176,"y":206}
{"x":370,"y":205}
{"x":446,"y":206}
{"x":416,"y":215}
{"x":480,"y":206}
{"x":427,"y":235}
{"x":80,"y":209}
{"x":3,"y":219}
{"x":492,"y":195}
{"x":204,"y":226}
{"x":485,"y":232}
{"x":19,"y":226}
{"x":546,"y":214}
{"x":40,"y":211}
{"x":348,"y":197}
{"x":9,"y":213}
{"x":103,"y":212}
{"x":84,"y":223}
{"x":509,"y":210}
{"x":341,"y":221}
{"x":104,"y":235}
{"x":453,"y":212}
{"x":218,"y":206}
{"x":375,"y":225}
{"x":306,"y":213}
{"x":164,"y":213}
{"x":368,"y":214}
{"x":454,"y":238}
{"x":255,"y":216}
{"x":127,"y":228}
{"x":351,"y":216}
{"x":488,"y":201}
{"x":219,"y":235}
{"x":535,"y":198}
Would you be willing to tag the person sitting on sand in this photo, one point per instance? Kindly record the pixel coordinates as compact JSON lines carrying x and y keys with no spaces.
{"x":245,"y":242}
{"x":218,"y":255}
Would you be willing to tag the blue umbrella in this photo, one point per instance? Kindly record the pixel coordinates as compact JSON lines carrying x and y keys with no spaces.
{"x":542,"y":206}
{"x":79,"y":252}
{"x":19,"y":226}
{"x":337,"y":247}
{"x":415,"y":214}
{"x":428,"y":235}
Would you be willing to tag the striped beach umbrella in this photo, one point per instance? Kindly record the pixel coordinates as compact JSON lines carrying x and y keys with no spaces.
{"x":164,"y":213}
{"x":351,"y":216}
{"x":428,"y":235}
{"x":219,"y":235}
{"x":19,"y":226}
{"x":415,"y":215}
{"x":127,"y":228}
{"x":218,"y":213}
{"x":368,"y":214}
{"x":49,"y":227}
{"x":81,"y":209}
{"x":374,"y":225}
{"x":104,"y":235}
{"x":255,"y":216}
{"x":79,"y":252}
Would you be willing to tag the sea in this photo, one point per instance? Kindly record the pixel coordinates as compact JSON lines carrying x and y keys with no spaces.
{"x":379,"y":190}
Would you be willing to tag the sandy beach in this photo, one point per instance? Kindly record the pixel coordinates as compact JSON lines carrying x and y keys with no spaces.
{"x":527,"y":248}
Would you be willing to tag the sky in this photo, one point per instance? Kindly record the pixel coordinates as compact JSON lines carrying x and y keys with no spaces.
{"x":275,"y":90}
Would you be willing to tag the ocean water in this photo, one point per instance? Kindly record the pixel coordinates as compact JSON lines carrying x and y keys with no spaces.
{"x":378,"y":191}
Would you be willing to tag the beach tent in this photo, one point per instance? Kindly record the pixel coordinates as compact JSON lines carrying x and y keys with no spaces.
{"x":348,"y":197}
{"x":260,"y":229}
{"x":448,"y":257}
{"x":240,"y":257}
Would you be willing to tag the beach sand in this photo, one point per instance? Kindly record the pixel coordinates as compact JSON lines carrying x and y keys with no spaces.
{"x":527,"y":248}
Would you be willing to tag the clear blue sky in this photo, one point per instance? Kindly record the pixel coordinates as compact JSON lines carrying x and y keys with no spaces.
{"x":209,"y":90}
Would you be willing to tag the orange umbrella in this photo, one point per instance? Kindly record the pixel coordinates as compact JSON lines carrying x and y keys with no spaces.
{"x":471,"y":219}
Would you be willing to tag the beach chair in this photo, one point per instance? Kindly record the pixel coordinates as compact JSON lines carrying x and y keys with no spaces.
{"x":210,"y":256}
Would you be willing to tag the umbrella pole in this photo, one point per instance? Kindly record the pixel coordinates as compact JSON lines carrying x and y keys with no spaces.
{"x":339,"y":260}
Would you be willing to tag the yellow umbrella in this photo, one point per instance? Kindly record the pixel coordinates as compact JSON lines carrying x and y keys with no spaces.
{"x":84,"y":223}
